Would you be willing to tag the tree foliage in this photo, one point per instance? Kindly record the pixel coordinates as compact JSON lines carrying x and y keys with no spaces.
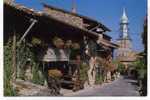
{"x":120,"y":66}
{"x":140,"y":67}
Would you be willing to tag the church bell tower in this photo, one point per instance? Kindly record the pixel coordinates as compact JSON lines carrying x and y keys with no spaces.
{"x":124,"y":53}
{"x":124,"y":25}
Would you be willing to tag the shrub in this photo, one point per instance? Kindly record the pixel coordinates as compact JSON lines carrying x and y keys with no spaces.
{"x":140,"y":67}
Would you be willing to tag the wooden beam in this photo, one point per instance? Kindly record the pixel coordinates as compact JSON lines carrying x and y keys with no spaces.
{"x":14,"y":58}
{"x":27,"y":31}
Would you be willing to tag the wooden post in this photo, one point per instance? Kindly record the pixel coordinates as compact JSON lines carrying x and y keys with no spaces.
{"x":14,"y":58}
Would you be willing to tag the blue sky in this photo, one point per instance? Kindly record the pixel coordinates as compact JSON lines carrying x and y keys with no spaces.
{"x":107,"y":12}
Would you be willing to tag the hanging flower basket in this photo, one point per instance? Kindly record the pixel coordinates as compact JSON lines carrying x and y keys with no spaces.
{"x":58,"y":42}
{"x":68,"y":44}
{"x":76,"y":46}
{"x":36,"y":41}
{"x":55,"y":73}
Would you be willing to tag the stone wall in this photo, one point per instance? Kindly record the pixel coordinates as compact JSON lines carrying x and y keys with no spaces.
{"x":66,"y":17}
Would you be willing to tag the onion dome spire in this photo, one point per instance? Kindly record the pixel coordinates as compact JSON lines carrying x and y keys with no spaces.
{"x":73,"y":6}
{"x":124,"y":18}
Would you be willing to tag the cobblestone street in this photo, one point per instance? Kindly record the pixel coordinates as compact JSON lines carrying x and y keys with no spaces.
{"x":120,"y":87}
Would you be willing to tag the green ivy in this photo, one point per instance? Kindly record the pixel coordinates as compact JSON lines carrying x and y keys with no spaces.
{"x":37,"y":78}
{"x":99,"y":79}
{"x":25,"y":52}
{"x":140,"y":67}
{"x":83,"y":71}
{"x":8,"y":90}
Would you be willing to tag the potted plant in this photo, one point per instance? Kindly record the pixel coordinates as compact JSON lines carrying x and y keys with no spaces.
{"x":54,"y":81}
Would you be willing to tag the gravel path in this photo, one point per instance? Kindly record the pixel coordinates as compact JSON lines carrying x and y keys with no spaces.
{"x":121,"y":87}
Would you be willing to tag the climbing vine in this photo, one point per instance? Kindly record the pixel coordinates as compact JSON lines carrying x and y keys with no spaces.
{"x":8,"y":90}
{"x":26,"y":52}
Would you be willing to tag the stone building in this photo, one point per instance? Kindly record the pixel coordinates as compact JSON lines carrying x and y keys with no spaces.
{"x":125,"y":53}
{"x":55,"y":22}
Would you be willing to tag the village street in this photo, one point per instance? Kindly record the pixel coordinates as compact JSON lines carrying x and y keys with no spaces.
{"x":52,"y":50}
{"x":120,"y":87}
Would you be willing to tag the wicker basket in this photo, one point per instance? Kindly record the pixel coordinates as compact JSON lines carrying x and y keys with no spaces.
{"x":55,"y":73}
